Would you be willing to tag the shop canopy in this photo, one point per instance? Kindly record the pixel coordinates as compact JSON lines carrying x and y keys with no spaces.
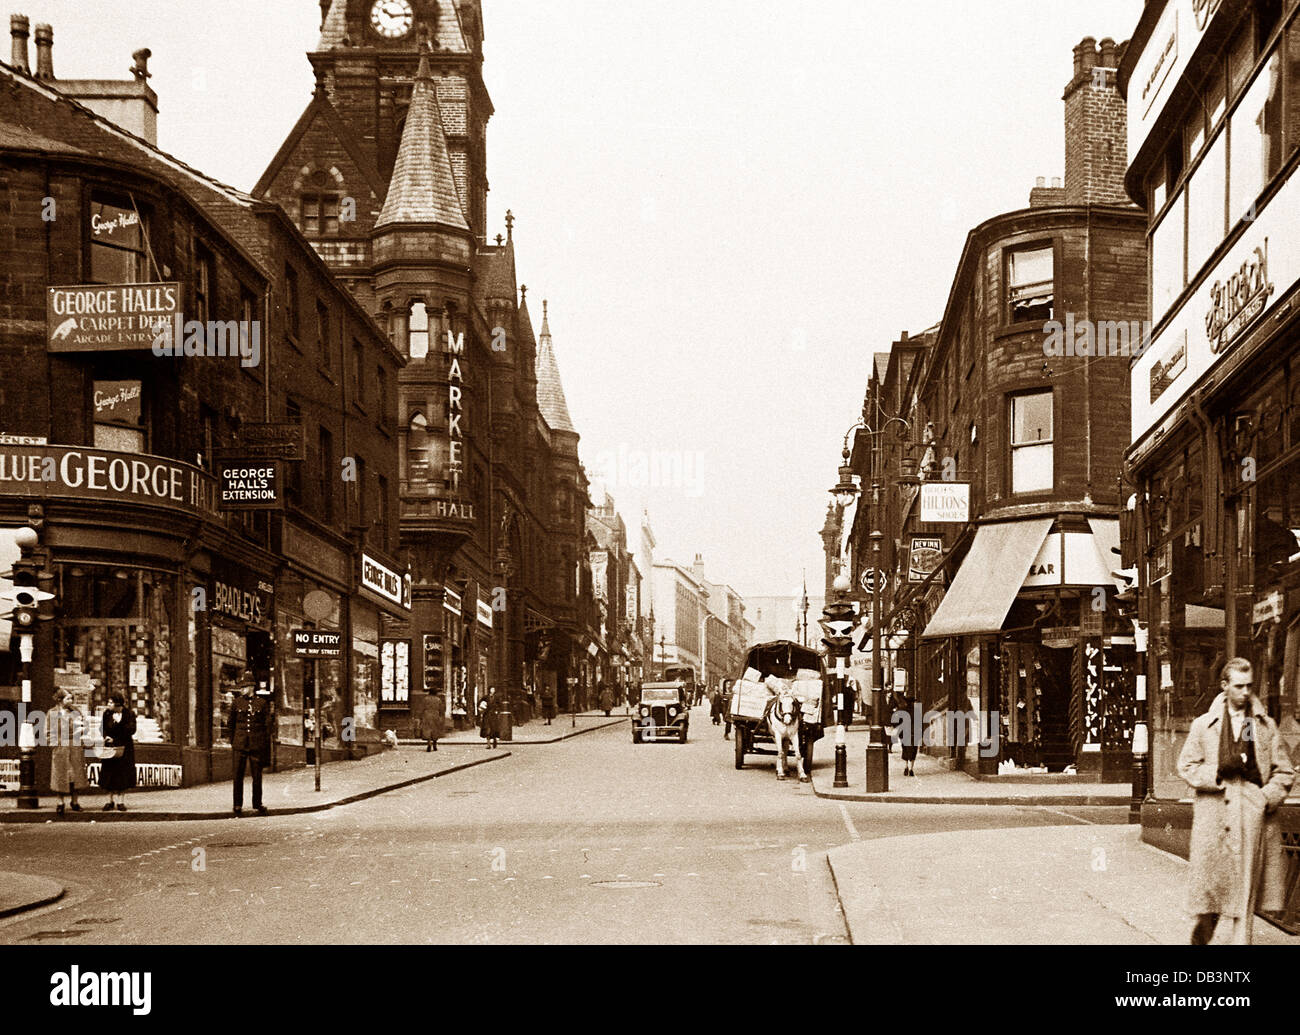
{"x":989,"y":578}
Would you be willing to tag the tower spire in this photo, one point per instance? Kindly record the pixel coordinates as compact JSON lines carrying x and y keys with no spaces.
{"x":423,"y":187}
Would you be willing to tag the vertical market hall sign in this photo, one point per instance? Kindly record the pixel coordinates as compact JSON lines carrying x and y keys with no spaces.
{"x":107,"y":318}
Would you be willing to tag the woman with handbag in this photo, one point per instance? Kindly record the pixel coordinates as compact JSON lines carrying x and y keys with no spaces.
{"x":117,"y":773}
{"x":66,"y":730}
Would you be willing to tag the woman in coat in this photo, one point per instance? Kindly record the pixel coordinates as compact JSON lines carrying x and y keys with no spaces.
{"x":1239,"y":768}
{"x":488,"y":711}
{"x":65,"y":727}
{"x":117,"y":775}
{"x":548,"y":704}
{"x":432,"y":724}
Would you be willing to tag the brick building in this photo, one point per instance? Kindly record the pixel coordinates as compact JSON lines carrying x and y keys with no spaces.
{"x":1214,"y":147}
{"x":163,"y":589}
{"x":999,"y":405}
{"x":386,"y":174}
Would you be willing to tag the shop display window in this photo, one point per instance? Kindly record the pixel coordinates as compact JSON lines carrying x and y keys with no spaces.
{"x":365,"y":667}
{"x":115,"y":627}
{"x":296,"y":689}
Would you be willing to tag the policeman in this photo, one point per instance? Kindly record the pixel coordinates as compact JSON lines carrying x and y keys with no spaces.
{"x":250,"y":737}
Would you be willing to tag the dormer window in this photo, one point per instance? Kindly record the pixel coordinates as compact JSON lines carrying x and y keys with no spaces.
{"x":320,"y":207}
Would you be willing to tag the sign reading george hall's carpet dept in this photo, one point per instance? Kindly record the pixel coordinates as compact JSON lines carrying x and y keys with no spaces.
{"x":76,"y":472}
{"x":108,"y":317}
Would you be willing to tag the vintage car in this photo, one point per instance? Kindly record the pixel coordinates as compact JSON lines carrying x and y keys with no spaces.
{"x":662,"y":713}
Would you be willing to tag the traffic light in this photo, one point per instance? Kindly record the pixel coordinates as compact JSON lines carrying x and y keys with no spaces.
{"x":23,"y":599}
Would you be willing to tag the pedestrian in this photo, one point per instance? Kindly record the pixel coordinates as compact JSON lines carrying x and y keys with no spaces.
{"x":117,"y":772}
{"x":489,"y":710}
{"x":430,"y":721}
{"x":909,"y":732}
{"x":548,"y":703}
{"x":250,"y":737}
{"x":606,"y":700}
{"x":66,"y":727}
{"x":1239,"y":768}
{"x":715,"y":706}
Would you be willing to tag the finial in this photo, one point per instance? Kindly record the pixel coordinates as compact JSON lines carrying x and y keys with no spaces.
{"x":545,"y":303}
{"x":523,"y":291}
{"x":500,"y":240}
{"x":510,"y":224}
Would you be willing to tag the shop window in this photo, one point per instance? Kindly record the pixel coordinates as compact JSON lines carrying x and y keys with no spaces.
{"x":395,"y":671}
{"x":417,"y":338}
{"x":1241,"y":58}
{"x":1031,"y":443}
{"x":119,"y":419}
{"x":1256,"y":128}
{"x":118,"y":253}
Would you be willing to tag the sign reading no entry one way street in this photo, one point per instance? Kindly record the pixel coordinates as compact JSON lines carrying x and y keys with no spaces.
{"x":314,"y":643}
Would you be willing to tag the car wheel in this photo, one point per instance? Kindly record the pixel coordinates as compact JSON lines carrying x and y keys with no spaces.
{"x":740,"y":748}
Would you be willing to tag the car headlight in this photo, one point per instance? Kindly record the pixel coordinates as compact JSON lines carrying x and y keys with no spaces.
{"x":672,"y":712}
{"x":644,"y":711}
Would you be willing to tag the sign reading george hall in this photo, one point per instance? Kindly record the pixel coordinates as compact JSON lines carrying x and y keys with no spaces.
{"x":50,"y":472}
{"x":106,"y":318}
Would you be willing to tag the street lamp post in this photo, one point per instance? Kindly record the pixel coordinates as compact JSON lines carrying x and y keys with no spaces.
{"x":839,"y":618}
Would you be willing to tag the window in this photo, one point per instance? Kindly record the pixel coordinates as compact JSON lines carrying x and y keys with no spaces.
{"x":1031,"y":283}
{"x":1256,"y":139}
{"x":117,"y":244}
{"x":1206,"y":213}
{"x":207,"y":437}
{"x":384,"y":518}
{"x":358,"y":373}
{"x":118,"y":416}
{"x":359,"y":488}
{"x":418,"y":453}
{"x":203,"y":282}
{"x":291,"y":300}
{"x":1031,"y":443}
{"x":381,"y":390}
{"x":1167,"y":258}
{"x":395,"y":671}
{"x":320,"y":215}
{"x":293,"y":471}
{"x":417,"y":339}
{"x":323,"y":334}
{"x":326,"y":474}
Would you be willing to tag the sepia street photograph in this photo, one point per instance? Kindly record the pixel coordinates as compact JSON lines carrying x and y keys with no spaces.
{"x":735,"y":477}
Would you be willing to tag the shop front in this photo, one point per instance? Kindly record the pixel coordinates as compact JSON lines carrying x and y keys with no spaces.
{"x":381,"y":665}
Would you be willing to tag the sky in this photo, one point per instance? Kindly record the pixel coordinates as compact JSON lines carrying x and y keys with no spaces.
{"x":729,"y":204}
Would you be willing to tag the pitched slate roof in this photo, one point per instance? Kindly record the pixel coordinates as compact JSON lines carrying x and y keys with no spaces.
{"x":497,"y":271}
{"x":526,"y":336}
{"x":550,"y":390}
{"x":423,"y":188}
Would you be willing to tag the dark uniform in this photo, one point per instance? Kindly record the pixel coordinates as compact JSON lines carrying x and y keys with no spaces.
{"x":250,"y":736}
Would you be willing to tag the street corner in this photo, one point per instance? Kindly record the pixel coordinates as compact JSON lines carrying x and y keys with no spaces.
{"x":21,"y":893}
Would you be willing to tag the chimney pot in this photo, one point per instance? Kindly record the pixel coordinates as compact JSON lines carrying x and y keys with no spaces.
{"x":19,"y":30}
{"x":1056,"y":182}
{"x":141,"y":67}
{"x":1085,"y":56}
{"x":1041,"y":181}
{"x":44,"y":52}
{"x":1108,"y":52}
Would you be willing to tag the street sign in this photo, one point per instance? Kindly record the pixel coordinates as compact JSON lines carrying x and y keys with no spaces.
{"x":945,"y":502}
{"x":865,"y":580}
{"x":261,"y":441}
{"x":317,"y":643}
{"x":249,"y":485}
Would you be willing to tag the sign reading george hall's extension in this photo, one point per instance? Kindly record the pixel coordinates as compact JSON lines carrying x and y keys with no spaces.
{"x":108,"y":317}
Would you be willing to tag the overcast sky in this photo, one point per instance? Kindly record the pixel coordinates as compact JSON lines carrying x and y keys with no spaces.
{"x":731,"y":204}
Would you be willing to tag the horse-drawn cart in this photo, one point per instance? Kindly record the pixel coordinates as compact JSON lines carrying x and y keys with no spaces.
{"x":782,"y":666}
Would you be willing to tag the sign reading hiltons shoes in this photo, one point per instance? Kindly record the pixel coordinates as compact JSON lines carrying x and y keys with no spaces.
{"x":107,"y":318}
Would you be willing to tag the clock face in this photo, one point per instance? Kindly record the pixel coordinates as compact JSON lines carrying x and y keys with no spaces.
{"x":392,"y":18}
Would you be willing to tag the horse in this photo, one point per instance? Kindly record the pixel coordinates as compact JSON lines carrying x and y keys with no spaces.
{"x":783,"y":715}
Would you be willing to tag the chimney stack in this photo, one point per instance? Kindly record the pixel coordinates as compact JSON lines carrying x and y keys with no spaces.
{"x":1096,"y":127}
{"x":44,"y":52}
{"x":19,"y":30}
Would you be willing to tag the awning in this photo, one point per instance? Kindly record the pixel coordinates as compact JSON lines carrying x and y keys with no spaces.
{"x":989,"y":579}
{"x":1105,"y":532}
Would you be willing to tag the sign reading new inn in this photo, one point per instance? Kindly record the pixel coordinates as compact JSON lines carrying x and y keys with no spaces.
{"x":77,"y":472}
{"x":108,"y":317}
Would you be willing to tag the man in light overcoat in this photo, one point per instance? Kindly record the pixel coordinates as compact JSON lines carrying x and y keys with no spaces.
{"x":1240,"y":771}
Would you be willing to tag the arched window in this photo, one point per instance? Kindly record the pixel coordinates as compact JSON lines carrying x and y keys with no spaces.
{"x":418,"y":453}
{"x":417,"y":335}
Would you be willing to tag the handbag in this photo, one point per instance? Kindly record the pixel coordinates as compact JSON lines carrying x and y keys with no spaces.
{"x":104,"y":751}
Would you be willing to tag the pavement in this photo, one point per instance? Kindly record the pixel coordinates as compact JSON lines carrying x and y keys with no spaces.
{"x":562,"y":727}
{"x":935,"y":784}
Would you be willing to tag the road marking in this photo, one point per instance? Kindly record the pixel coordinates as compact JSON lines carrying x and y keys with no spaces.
{"x":1077,"y":819}
{"x":853,"y":831}
{"x":548,"y":877}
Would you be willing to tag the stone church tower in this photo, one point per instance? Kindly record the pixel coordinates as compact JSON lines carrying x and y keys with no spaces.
{"x":385,"y":174}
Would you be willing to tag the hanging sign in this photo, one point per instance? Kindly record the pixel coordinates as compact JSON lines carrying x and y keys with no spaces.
{"x":105,"y":318}
{"x":249,"y":485}
{"x":945,"y":502}
{"x":926,"y":554}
